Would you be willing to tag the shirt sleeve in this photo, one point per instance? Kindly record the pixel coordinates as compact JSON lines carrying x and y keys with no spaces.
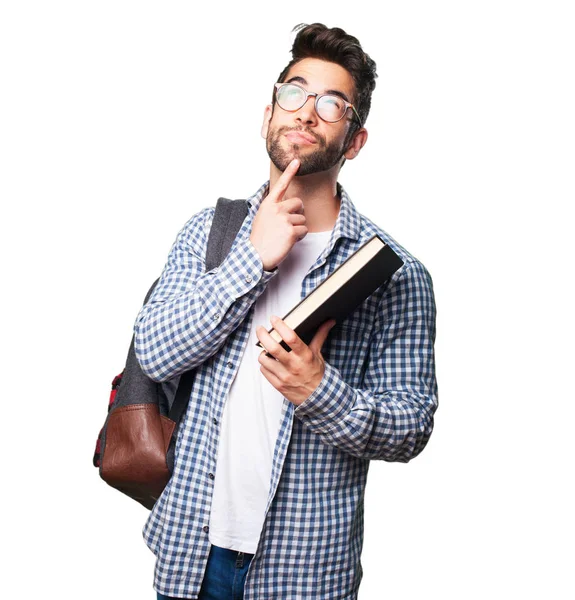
{"x":391,"y":417}
{"x":191,"y":313}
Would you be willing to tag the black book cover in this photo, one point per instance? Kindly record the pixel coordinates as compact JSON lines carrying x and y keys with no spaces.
{"x":350,"y":295}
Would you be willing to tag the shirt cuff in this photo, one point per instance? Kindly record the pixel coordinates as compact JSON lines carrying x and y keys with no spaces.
{"x":241,"y":273}
{"x":328,"y":404}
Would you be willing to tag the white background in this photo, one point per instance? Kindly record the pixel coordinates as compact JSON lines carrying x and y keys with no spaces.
{"x":116,"y":126}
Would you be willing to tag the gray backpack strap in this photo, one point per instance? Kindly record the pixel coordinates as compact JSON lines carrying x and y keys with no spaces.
{"x":228,"y":219}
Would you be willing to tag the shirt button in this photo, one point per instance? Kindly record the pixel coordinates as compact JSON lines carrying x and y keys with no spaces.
{"x":211,"y":476}
{"x":206,"y":528}
{"x":216,"y":317}
{"x":230,"y":364}
{"x":248,"y":279}
{"x":215,"y":421}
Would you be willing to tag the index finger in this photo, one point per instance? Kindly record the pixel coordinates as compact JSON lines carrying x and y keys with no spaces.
{"x":288,"y":335}
{"x":281,"y":185}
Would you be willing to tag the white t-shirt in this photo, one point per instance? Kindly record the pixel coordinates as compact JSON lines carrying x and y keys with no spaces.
{"x":251,"y":416}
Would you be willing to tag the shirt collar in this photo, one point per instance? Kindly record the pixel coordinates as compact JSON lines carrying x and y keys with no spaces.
{"x":347,"y":224}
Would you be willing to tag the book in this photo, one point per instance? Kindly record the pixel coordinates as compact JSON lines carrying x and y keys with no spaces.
{"x":343,"y":291}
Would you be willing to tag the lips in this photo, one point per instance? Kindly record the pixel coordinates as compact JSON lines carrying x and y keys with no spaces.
{"x":299,"y":137}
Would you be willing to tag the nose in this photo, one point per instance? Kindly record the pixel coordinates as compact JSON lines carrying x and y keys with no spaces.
{"x":307,"y":114}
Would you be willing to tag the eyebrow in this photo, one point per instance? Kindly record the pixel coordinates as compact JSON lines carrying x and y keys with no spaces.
{"x":332,"y":92}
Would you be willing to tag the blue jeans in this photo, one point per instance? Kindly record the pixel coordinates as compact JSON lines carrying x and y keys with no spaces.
{"x":225,"y":575}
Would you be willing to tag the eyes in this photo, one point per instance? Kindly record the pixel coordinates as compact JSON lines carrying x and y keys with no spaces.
{"x":292,"y":97}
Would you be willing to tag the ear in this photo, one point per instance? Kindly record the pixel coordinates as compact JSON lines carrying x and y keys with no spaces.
{"x":357,"y":143}
{"x":267,"y":119}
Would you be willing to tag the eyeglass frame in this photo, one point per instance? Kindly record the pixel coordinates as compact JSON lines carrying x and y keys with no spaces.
{"x":317,"y":96}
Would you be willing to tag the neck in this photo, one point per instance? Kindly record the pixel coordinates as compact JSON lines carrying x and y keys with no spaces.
{"x":318,"y":192}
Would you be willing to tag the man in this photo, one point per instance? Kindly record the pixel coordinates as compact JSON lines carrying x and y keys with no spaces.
{"x":266,"y":498}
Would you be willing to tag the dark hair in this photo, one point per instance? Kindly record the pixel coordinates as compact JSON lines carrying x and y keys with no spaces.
{"x":335,"y":45}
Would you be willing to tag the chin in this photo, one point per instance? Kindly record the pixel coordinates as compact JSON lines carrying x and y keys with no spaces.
{"x":316,"y":160}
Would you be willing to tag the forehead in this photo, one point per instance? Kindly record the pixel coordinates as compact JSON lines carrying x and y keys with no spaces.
{"x":322,"y":75}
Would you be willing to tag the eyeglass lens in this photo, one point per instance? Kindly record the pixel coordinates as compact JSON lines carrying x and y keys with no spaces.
{"x":292,"y":97}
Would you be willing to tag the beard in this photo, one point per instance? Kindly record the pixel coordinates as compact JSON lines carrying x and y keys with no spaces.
{"x":323,"y":158}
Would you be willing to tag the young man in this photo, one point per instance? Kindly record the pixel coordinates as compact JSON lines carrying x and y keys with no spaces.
{"x":266,"y":498}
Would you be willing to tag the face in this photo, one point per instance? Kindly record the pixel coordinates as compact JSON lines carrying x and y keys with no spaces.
{"x":303,"y":134}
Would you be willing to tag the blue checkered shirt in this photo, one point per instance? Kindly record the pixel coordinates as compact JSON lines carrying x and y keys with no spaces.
{"x":375,"y":402}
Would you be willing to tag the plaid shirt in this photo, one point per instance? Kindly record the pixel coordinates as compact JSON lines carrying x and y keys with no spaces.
{"x":376,"y":401}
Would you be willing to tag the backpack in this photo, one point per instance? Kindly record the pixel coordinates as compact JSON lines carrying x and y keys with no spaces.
{"x":135,"y":449}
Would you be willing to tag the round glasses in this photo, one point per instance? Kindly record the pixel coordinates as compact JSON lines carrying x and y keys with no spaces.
{"x":330,"y":108}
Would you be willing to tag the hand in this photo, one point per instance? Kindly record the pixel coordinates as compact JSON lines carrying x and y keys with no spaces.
{"x":279,"y":223}
{"x":294,"y":374}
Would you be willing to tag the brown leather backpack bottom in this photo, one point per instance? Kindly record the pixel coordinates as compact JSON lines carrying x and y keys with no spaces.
{"x":134,"y":459}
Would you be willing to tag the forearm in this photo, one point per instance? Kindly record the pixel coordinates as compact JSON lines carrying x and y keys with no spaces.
{"x":389,"y":416}
{"x":192,"y":313}
{"x":391,"y":426}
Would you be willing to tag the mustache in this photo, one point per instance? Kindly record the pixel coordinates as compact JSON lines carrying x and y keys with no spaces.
{"x":317,"y":137}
